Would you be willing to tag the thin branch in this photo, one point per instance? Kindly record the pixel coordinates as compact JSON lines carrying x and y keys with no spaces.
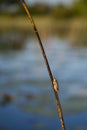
{"x":53,"y":80}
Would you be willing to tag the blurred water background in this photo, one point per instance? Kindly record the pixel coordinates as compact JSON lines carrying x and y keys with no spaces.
{"x":26,"y":97}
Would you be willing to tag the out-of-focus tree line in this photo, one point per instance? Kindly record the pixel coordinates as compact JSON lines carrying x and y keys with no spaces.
{"x":60,"y":11}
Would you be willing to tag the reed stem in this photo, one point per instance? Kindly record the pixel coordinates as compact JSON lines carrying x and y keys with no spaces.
{"x":47,"y":64}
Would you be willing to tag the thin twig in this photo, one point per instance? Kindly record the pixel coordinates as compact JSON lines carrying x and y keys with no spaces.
{"x":53,"y":80}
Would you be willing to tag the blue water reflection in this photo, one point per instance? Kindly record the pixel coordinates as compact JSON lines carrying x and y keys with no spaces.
{"x":24,"y":77}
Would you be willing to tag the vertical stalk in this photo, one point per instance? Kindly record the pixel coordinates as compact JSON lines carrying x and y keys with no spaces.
{"x":47,"y":64}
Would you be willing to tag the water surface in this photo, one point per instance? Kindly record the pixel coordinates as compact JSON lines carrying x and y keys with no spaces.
{"x":26,"y":96}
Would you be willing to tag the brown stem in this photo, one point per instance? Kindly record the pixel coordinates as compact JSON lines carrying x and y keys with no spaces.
{"x":46,"y":62}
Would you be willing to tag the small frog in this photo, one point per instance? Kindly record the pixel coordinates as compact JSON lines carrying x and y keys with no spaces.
{"x":55,"y":84}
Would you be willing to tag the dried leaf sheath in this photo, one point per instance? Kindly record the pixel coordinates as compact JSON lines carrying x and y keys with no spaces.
{"x":47,"y":65}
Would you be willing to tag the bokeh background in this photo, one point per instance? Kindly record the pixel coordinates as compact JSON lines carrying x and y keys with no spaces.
{"x":26,"y":97}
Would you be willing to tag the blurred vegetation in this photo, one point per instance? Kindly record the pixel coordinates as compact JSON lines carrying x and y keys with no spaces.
{"x":77,"y":9}
{"x":80,"y":8}
{"x":60,"y":11}
{"x":68,"y":20}
{"x":40,"y":9}
{"x":9,"y":1}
